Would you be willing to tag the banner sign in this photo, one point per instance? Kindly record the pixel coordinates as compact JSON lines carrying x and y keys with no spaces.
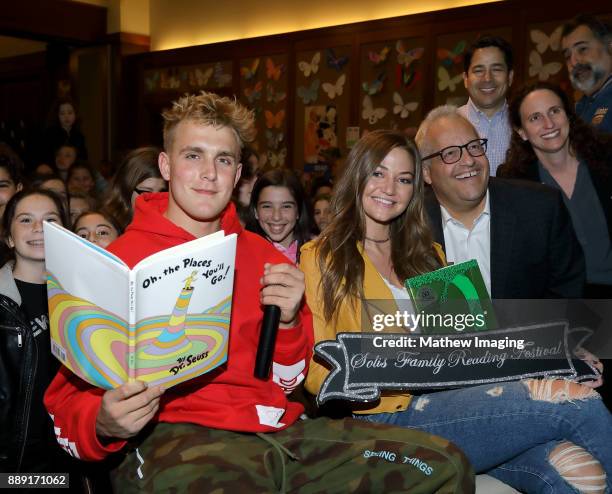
{"x":364,"y":363}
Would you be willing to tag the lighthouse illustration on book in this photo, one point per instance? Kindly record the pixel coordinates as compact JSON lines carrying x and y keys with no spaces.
{"x":173,"y":341}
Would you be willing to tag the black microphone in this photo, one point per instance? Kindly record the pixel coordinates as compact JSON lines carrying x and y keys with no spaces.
{"x":267,"y":340}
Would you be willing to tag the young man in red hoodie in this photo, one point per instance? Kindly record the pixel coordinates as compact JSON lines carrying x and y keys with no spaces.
{"x":192,"y":435}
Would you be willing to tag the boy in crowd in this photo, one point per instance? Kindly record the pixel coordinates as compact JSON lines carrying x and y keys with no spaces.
{"x":194,"y":434}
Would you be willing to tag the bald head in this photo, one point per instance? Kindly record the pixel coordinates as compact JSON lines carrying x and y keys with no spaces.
{"x":438,"y":116}
{"x":460,"y":183}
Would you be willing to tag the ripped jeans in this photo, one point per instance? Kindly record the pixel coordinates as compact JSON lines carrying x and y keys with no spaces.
{"x":509,"y":435}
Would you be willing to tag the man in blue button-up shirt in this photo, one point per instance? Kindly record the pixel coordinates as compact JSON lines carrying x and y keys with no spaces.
{"x":487,"y":77}
{"x":587,"y":48}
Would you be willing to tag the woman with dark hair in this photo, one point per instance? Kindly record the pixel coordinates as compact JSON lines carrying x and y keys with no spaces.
{"x":242,"y":192}
{"x":78,"y":204}
{"x":81,"y":179}
{"x":551,"y":144}
{"x":53,"y":183}
{"x":279,"y":211}
{"x":27,"y":441}
{"x":11,"y":171}
{"x":321,"y":212}
{"x":377,"y":238}
{"x":63,"y":128}
{"x":98,"y":227}
{"x":137,"y":174}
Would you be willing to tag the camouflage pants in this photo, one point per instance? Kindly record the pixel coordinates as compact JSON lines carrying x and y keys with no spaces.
{"x":311,"y":456}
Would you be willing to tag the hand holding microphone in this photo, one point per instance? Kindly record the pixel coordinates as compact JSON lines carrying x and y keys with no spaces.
{"x":283,"y":287}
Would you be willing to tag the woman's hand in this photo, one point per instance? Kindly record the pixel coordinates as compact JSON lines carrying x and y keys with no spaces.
{"x":593,"y":361}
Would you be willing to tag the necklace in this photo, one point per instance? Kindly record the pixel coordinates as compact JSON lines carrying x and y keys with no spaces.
{"x":377,"y":241}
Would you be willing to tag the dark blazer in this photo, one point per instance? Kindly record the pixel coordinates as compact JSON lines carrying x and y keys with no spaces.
{"x":601,"y":181}
{"x":534,"y":250}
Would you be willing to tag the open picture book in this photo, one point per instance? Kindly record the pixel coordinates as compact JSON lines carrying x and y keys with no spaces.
{"x":163,"y":322}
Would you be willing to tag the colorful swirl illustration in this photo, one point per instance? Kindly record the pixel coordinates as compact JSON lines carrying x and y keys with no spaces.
{"x":168,"y":349}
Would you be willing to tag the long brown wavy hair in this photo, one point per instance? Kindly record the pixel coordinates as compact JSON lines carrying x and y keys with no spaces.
{"x":584,"y":141}
{"x":412,"y":253}
{"x":137,"y":166}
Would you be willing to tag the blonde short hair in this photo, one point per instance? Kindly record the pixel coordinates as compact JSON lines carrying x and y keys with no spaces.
{"x":210,"y":109}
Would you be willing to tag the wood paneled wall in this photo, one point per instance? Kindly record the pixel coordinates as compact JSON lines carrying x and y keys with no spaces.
{"x":384,"y":73}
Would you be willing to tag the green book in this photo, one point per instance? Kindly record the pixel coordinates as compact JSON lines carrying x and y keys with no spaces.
{"x":453,"y":299}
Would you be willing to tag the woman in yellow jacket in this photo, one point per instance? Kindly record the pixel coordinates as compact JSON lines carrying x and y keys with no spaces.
{"x":372,"y":244}
{"x":378,"y":237}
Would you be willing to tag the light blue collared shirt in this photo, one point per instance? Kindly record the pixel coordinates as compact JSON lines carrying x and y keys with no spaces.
{"x":496,"y":129}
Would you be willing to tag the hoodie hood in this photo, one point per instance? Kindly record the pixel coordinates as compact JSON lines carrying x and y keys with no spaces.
{"x":150,"y":231}
{"x":149,"y":207}
{"x":8,"y":287}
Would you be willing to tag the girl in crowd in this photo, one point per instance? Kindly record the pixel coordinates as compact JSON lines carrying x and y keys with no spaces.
{"x":138,"y":173}
{"x":321,"y":185}
{"x":556,"y":434}
{"x":27,"y":441}
{"x":79,"y":203}
{"x":81,"y":179}
{"x":242,"y":192}
{"x":279,"y":212}
{"x":552,"y":145}
{"x":321,"y":212}
{"x":54,"y":184}
{"x":44,"y":169}
{"x":63,"y":128}
{"x":10,"y":176}
{"x":98,"y":227}
{"x":65,"y":157}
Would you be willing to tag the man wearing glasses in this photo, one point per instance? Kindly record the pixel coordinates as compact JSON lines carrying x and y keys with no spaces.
{"x":520,"y":233}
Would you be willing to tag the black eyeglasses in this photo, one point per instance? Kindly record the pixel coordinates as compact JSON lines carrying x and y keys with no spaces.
{"x":452,"y":154}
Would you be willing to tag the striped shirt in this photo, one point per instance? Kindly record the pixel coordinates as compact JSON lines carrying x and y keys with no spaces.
{"x":496,"y":129}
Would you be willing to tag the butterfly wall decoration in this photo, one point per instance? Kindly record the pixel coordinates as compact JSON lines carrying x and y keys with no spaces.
{"x":334,"y":62}
{"x":274,"y":120}
{"x":250,"y":72}
{"x":277,"y":159}
{"x":222,"y":78}
{"x":274,"y":71}
{"x":152,"y":81}
{"x":253,"y":93}
{"x":540,"y":69}
{"x":274,"y":139}
{"x":446,"y":82}
{"x":170,"y":79}
{"x":379,"y":57}
{"x":403,"y":109}
{"x":544,"y":42}
{"x":369,"y":113}
{"x":309,"y":94}
{"x":274,"y":96}
{"x":334,"y":89}
{"x":312,"y":67}
{"x":407,"y":77}
{"x":406,"y":57}
{"x":375,"y":86}
{"x":200,"y":78}
{"x":451,"y":57}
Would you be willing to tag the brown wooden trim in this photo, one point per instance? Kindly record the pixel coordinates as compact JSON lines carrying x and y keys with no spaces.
{"x":513,"y":15}
{"x":54,"y":20}
{"x":129,"y":39}
{"x":18,"y":65}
